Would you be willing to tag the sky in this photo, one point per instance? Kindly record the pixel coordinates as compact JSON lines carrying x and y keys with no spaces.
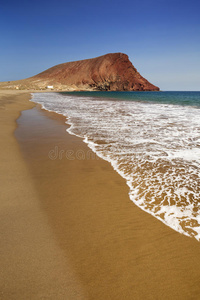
{"x":161,"y":38}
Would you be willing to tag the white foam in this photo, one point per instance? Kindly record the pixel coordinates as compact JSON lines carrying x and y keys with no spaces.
{"x":192,"y":154}
{"x":155,"y":147}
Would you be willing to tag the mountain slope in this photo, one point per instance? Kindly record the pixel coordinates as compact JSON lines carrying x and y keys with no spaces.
{"x":110,"y":72}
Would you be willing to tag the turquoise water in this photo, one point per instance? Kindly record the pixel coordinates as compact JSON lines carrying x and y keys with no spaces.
{"x":152,"y":139}
{"x":176,"y":98}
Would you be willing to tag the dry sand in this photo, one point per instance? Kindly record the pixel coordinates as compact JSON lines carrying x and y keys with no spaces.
{"x":68,"y":228}
{"x":32,"y":264}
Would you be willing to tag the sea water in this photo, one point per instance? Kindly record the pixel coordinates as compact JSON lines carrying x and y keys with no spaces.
{"x":152,"y":139}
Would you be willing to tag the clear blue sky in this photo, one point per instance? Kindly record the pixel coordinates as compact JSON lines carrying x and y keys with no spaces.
{"x":161,"y":37}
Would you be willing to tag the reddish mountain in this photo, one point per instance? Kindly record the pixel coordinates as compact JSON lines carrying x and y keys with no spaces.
{"x":112,"y":72}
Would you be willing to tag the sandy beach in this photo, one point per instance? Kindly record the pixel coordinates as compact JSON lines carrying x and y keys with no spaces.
{"x":68,"y":227}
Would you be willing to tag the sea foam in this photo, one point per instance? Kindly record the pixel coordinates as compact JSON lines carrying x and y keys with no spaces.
{"x":154,"y":146}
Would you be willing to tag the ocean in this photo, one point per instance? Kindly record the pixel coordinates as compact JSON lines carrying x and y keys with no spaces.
{"x":152,"y":139}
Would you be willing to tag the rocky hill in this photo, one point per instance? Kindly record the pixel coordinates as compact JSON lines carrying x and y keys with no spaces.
{"x":110,"y":72}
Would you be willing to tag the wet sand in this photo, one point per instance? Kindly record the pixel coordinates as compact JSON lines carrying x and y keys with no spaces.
{"x":32,"y":264}
{"x":69,"y":230}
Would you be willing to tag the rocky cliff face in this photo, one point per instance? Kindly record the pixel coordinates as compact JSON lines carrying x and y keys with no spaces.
{"x":110,"y":72}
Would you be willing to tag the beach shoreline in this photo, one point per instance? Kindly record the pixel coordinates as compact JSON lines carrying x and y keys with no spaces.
{"x":96,"y":241}
{"x":32,"y":264}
